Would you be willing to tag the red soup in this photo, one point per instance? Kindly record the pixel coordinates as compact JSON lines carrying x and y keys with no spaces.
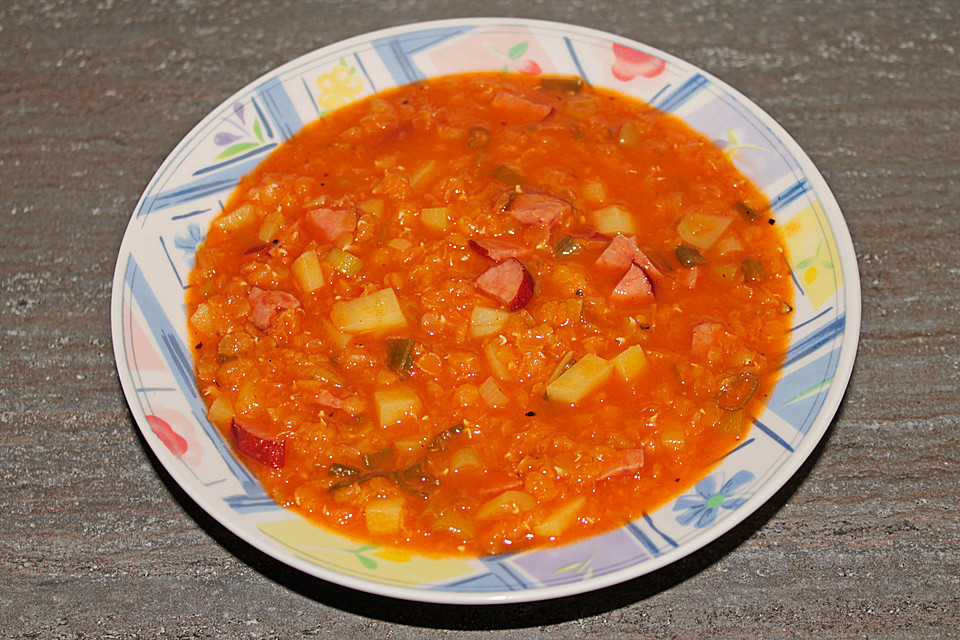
{"x":486,"y":311}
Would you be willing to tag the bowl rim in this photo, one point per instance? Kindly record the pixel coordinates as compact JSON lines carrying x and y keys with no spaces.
{"x":814,"y":436}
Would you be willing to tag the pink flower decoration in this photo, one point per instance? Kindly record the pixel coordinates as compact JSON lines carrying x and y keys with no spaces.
{"x":631,"y":63}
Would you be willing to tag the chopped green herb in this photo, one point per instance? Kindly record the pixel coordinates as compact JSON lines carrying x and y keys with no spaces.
{"x":567,"y":246}
{"x":342,"y":470}
{"x":746,"y":211}
{"x":439,"y":442}
{"x":736,"y":392}
{"x":479,"y":137}
{"x":506,"y":175}
{"x":753,"y":270}
{"x":378,"y":459}
{"x":415,"y":480}
{"x":400,"y":354}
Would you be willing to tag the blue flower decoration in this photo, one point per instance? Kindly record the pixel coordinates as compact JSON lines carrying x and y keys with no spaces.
{"x":189,"y":241}
{"x":700,"y":508}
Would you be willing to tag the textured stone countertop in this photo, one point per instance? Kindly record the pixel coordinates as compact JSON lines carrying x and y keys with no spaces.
{"x":96,"y":540}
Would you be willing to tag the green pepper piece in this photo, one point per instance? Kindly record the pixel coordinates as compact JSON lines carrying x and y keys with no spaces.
{"x":689,"y":256}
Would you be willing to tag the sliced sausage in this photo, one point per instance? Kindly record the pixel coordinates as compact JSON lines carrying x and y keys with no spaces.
{"x":513,"y":109}
{"x":500,"y":249}
{"x":635,"y":287}
{"x":330,"y":224}
{"x":265,"y":306}
{"x":509,"y":282}
{"x":538,"y":208}
{"x":271,"y":453}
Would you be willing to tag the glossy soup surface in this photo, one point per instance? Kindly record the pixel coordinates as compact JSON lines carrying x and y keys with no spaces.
{"x":484,"y":312}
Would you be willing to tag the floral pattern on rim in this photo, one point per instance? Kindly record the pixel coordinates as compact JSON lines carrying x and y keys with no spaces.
{"x":189,"y":241}
{"x":338,"y":87}
{"x":238,"y":139}
{"x":513,"y":58}
{"x":700,"y":508}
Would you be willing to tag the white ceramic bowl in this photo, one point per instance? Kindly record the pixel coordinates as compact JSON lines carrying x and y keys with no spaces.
{"x":155,"y":363}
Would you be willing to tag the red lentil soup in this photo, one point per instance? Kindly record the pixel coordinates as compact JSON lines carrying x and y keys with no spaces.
{"x":486,"y":312}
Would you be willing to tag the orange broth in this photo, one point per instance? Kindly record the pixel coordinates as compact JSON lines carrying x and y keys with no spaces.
{"x":484,"y":312}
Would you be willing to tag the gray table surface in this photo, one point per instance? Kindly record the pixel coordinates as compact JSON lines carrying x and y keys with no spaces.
{"x":96,"y":541}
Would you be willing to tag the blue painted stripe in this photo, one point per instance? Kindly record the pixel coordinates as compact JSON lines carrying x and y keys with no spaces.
{"x":738,"y":447}
{"x":682,"y":94}
{"x":644,"y":539}
{"x":363,"y":69}
{"x":790,"y":194}
{"x":814,"y":341}
{"x":180,"y":364}
{"x":813,"y":319}
{"x":280,"y":107}
{"x":659,"y":93}
{"x":182,"y":216}
{"x":313,"y":102}
{"x":499,"y":577}
{"x":396,"y":53}
{"x":267,"y":131}
{"x":397,"y":62}
{"x":173,"y":267}
{"x":576,"y":60}
{"x":796,"y":284}
{"x":667,"y":539}
{"x":224,"y":180}
{"x":259,"y":151}
{"x":770,"y":432}
{"x":510,"y":578}
{"x":246,"y":503}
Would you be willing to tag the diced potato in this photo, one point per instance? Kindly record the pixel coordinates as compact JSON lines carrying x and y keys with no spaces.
{"x":674,"y":439}
{"x":508,"y":502}
{"x":411,"y":444}
{"x":424,"y":174}
{"x":560,"y":519}
{"x":730,"y":422}
{"x":270,"y":226}
{"x":485,"y":321}
{"x":613,"y":220}
{"x":400,"y":244}
{"x":248,"y":400}
{"x":726,"y":272}
{"x":584,"y":376}
{"x":702,"y":229}
{"x":454,"y":523}
{"x":384,"y":516}
{"x":595,"y":192}
{"x":729,"y":245}
{"x":336,"y":336}
{"x":202,"y":319}
{"x":436,"y":218}
{"x":492,"y":394}
{"x":396,"y":403}
{"x":466,"y":458}
{"x":498,"y":365}
{"x":561,"y":366}
{"x":373,"y":206}
{"x":378,"y":311}
{"x":344,"y":261}
{"x":221,"y":411}
{"x":243,"y":216}
{"x":630,"y":363}
{"x":306,"y":269}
